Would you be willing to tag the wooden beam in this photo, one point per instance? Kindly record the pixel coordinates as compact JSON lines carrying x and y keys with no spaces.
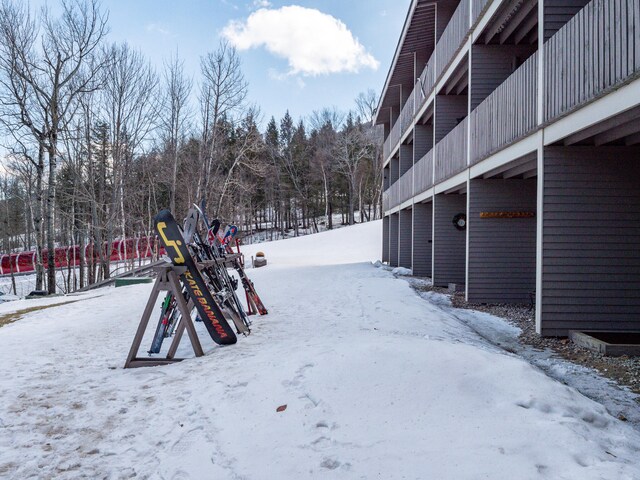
{"x":514,"y":172}
{"x":617,"y":133}
{"x":526,"y":27}
{"x":603,"y":126}
{"x":511,"y":165}
{"x":453,"y":81}
{"x":499,"y":22}
{"x":517,"y":19}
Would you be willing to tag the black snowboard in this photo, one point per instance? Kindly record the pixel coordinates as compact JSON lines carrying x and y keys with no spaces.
{"x":171,"y":237}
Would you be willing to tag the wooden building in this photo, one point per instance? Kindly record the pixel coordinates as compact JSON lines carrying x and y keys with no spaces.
{"x":512,"y":155}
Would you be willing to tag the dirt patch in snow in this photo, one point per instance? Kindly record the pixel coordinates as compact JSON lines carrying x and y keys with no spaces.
{"x":624,"y":370}
{"x":8,"y":318}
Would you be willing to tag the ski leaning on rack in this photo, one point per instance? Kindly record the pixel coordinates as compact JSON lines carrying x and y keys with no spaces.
{"x":209,"y":311}
{"x":254,"y":302}
{"x":215,"y":273}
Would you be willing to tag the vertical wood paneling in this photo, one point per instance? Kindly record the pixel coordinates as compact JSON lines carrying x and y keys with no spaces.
{"x":426,"y":82}
{"x":394,"y":195}
{"x":393,"y":239}
{"x":591,"y":54}
{"x":422,"y":243}
{"x":453,"y":36}
{"x":591,"y":239}
{"x":449,"y":243}
{"x":451,"y":153}
{"x":407,"y":114}
{"x":423,"y":173}
{"x":478,"y":7}
{"x":502,"y":252}
{"x":405,"y":187}
{"x":558,"y":12}
{"x":508,"y":114}
{"x":491,"y":65}
{"x":405,"y":238}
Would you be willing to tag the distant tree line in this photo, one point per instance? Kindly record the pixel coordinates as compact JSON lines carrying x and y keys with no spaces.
{"x":99,"y":141}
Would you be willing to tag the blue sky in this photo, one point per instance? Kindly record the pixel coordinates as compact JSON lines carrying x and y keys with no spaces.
{"x":158,"y":27}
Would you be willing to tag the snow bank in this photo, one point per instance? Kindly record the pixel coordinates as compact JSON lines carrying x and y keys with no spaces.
{"x":378,"y":383}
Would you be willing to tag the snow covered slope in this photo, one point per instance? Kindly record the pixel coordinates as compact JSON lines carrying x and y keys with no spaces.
{"x":378,"y":383}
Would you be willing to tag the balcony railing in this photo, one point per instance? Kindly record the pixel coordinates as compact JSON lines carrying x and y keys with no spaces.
{"x":451,"y":152}
{"x":452,"y":37}
{"x":405,"y":186}
{"x":408,"y":111}
{"x":425,"y":83}
{"x":385,"y":201}
{"x":394,"y":195}
{"x":476,"y":9}
{"x":423,"y":173}
{"x":510,"y":112}
{"x":593,"y":53}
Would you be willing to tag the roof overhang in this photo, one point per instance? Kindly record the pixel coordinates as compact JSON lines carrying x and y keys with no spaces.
{"x":417,"y":40}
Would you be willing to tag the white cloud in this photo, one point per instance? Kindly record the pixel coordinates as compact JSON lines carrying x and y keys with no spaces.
{"x":312,"y":42}
{"x":261,"y":3}
{"x":157,"y":28}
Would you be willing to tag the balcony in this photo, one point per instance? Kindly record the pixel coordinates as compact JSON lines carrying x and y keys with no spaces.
{"x":451,"y":153}
{"x":423,"y":173}
{"x":595,"y":52}
{"x":452,"y":37}
{"x":508,"y":114}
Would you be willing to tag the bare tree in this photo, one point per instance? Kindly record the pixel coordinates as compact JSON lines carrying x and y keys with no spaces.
{"x":174,"y":115}
{"x":222,"y":92}
{"x":129,"y":107}
{"x":351,"y":149}
{"x":46,"y":65}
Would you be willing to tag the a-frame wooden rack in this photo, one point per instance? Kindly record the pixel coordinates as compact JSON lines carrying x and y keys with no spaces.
{"x":166,"y":280}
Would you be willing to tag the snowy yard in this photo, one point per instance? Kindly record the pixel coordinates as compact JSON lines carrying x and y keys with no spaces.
{"x":378,"y":383}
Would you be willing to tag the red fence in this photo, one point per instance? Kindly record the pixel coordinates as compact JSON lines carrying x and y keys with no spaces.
{"x":128,"y":249}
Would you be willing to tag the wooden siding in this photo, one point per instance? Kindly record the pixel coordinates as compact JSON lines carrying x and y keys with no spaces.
{"x":597,"y":50}
{"x":393,"y":239}
{"x":453,"y":36}
{"x":385,"y":239}
{"x":449,"y":243}
{"x":405,"y":237}
{"x":423,"y":173}
{"x":591,"y":239}
{"x":502,"y":252}
{"x":406,"y":158}
{"x":422,"y":140}
{"x":508,"y":114}
{"x":451,"y":153}
{"x":449,"y":110}
{"x":422,"y":241}
{"x":558,"y":12}
{"x":394,"y":168}
{"x":493,"y":64}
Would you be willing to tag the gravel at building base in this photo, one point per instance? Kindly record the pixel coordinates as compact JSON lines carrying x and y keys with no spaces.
{"x":624,"y":370}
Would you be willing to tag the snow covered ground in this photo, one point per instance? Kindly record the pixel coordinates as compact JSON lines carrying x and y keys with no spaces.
{"x":378,"y":383}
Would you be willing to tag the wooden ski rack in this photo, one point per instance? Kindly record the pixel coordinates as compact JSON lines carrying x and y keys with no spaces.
{"x":167,"y":280}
